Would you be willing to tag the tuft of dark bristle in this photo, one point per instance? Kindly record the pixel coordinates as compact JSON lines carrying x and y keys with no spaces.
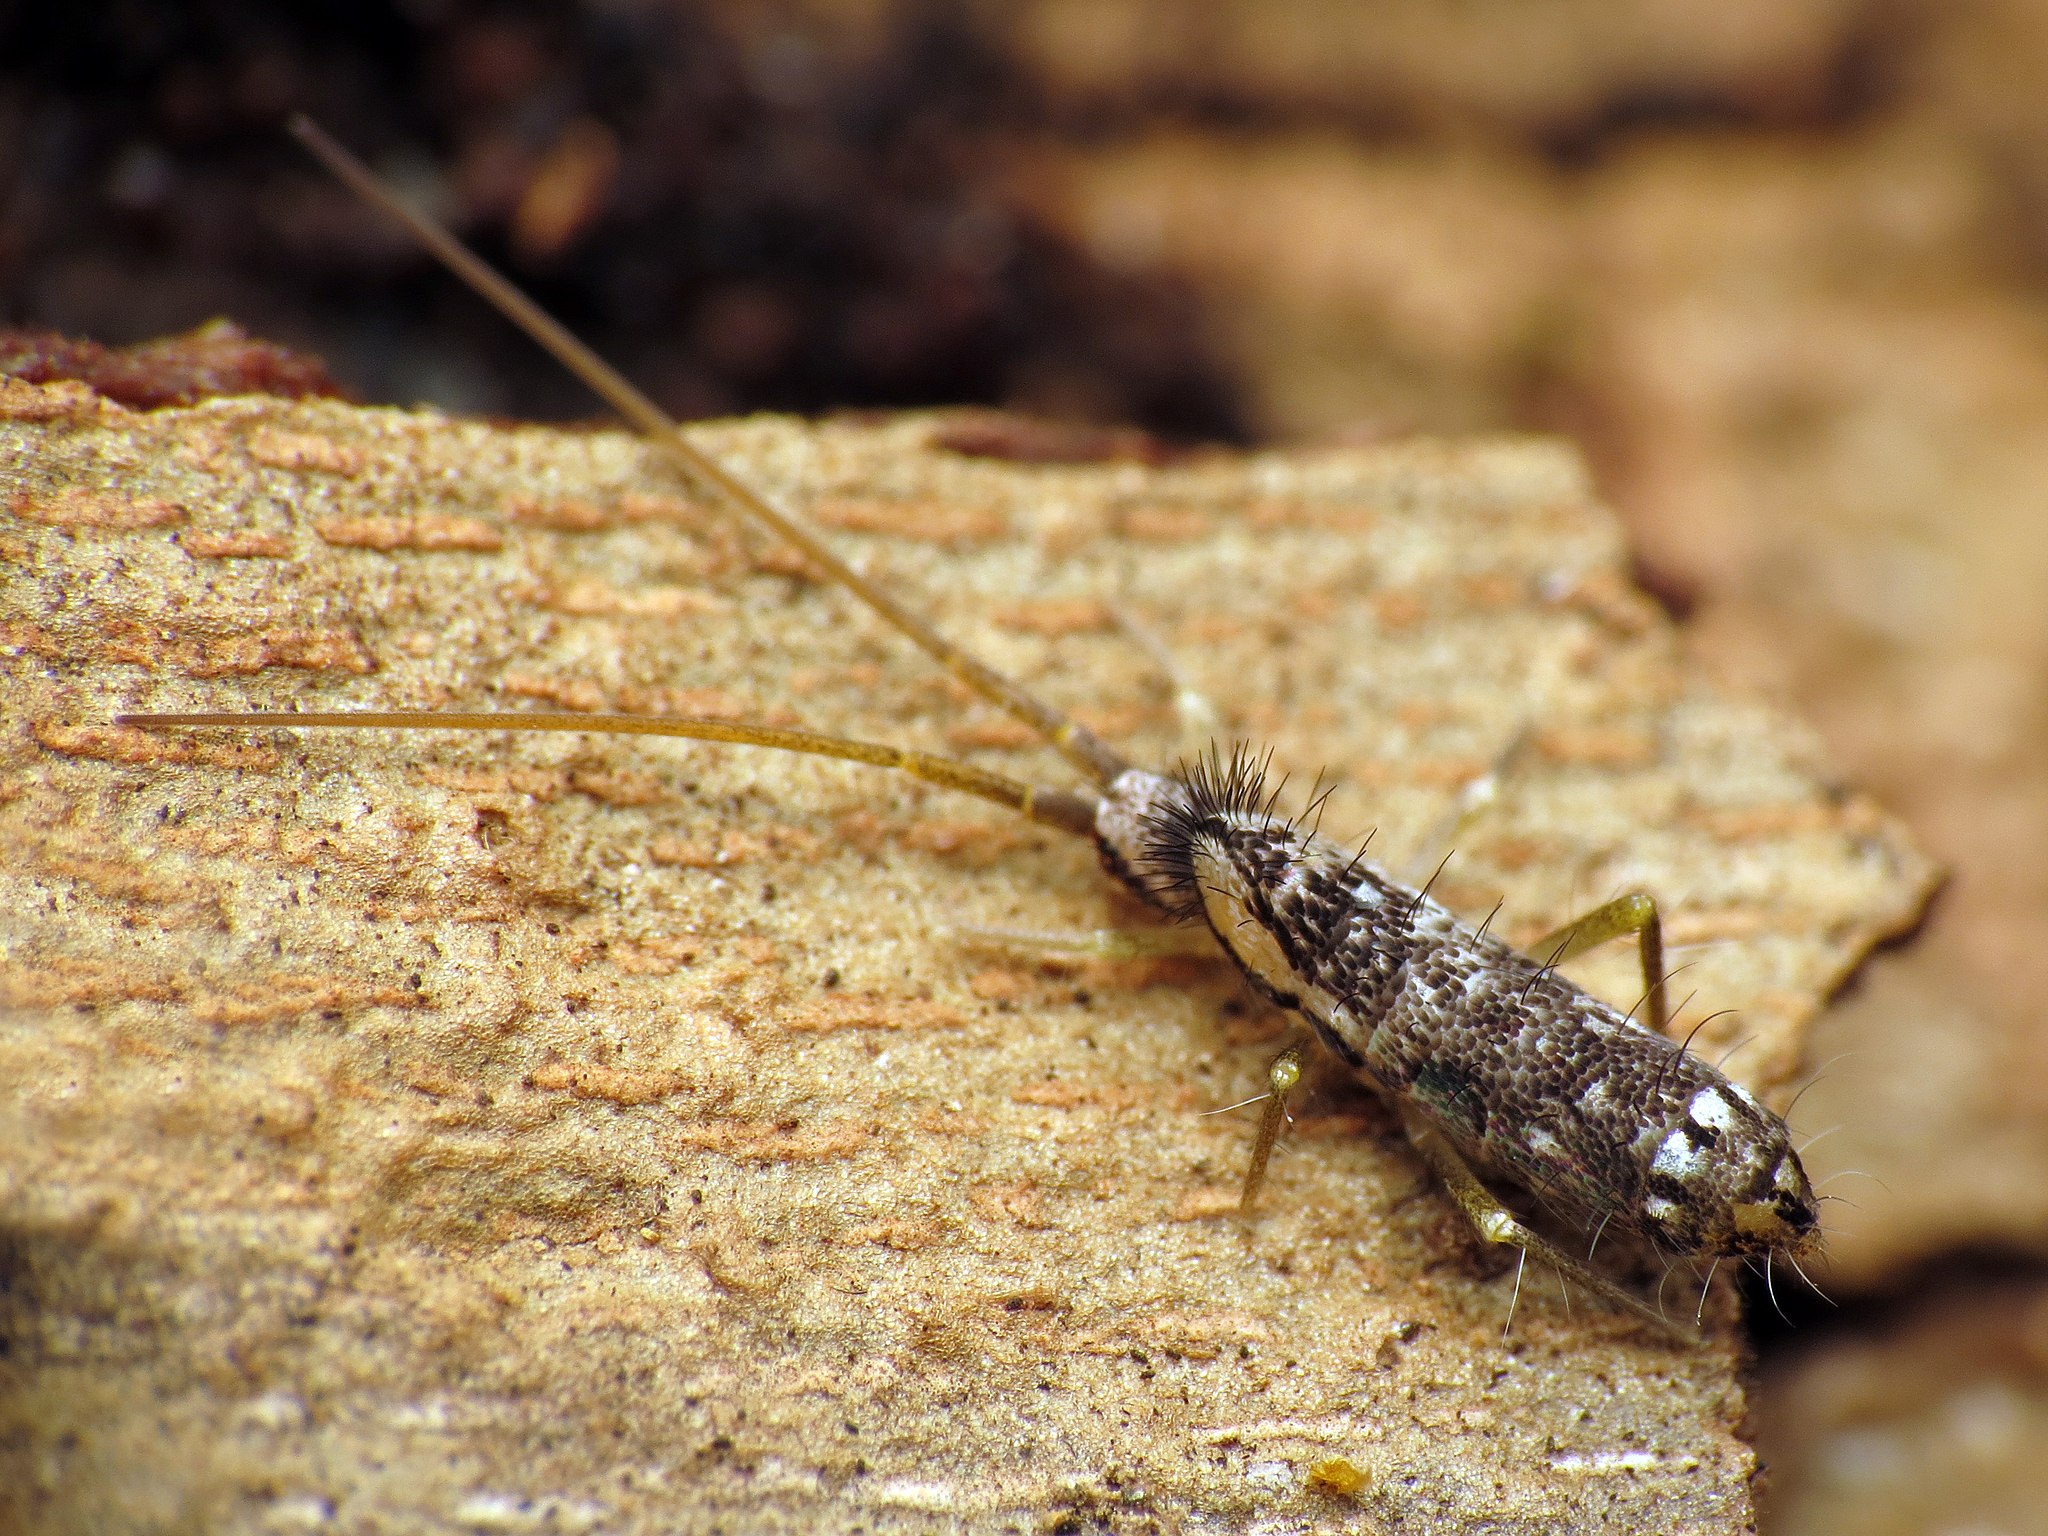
{"x":1221,"y":792}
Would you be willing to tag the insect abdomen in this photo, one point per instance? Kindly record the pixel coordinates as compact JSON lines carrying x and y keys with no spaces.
{"x":1526,"y":1073}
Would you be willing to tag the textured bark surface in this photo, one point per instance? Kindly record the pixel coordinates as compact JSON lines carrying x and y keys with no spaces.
{"x":417,"y":1131}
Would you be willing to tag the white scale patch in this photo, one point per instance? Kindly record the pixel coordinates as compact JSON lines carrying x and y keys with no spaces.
{"x":1542,"y":1143}
{"x":1709,"y":1109}
{"x":1677,"y":1156}
{"x":1657,"y":1208}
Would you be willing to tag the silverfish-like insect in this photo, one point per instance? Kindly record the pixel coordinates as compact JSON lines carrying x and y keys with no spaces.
{"x":1494,"y":1061}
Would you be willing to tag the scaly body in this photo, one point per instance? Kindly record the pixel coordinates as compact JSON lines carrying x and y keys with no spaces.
{"x":1524,"y":1072}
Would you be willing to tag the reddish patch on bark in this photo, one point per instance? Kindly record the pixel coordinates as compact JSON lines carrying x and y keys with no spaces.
{"x":219,"y":358}
{"x":1030,"y":440}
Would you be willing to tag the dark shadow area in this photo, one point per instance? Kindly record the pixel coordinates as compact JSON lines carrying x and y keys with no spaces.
{"x":741,"y":222}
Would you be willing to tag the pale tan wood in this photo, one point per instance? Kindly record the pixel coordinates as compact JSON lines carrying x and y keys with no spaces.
{"x":422,"y":1130}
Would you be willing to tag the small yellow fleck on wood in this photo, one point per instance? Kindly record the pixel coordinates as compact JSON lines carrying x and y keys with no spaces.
{"x":1339,"y":1476}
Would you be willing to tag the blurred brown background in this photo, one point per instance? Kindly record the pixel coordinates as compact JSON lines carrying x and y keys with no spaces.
{"x":1780,"y":265}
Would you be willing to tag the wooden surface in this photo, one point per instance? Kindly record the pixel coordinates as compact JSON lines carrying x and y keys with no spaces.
{"x":435,"y":1132}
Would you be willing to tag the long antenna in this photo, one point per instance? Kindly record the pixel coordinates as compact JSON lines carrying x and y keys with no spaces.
{"x":1072,"y":740}
{"x":1053,"y":807}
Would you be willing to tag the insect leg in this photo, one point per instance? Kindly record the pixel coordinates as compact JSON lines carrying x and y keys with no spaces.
{"x":1634,"y":913}
{"x":1201,"y":723}
{"x":1495,"y":1223}
{"x":1147,"y":943}
{"x":1281,"y":1077}
{"x":1100,"y":943}
{"x":1474,"y":799}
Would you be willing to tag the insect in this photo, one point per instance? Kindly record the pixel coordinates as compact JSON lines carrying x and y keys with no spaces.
{"x":1496,"y":1063}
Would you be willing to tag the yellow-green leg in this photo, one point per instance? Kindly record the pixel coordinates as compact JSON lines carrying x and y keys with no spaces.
{"x":1281,"y":1077}
{"x":1474,"y":799}
{"x":1201,"y":723}
{"x":1634,"y":913}
{"x":1495,"y":1223}
{"x":1101,"y":943}
{"x":1148,"y":943}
